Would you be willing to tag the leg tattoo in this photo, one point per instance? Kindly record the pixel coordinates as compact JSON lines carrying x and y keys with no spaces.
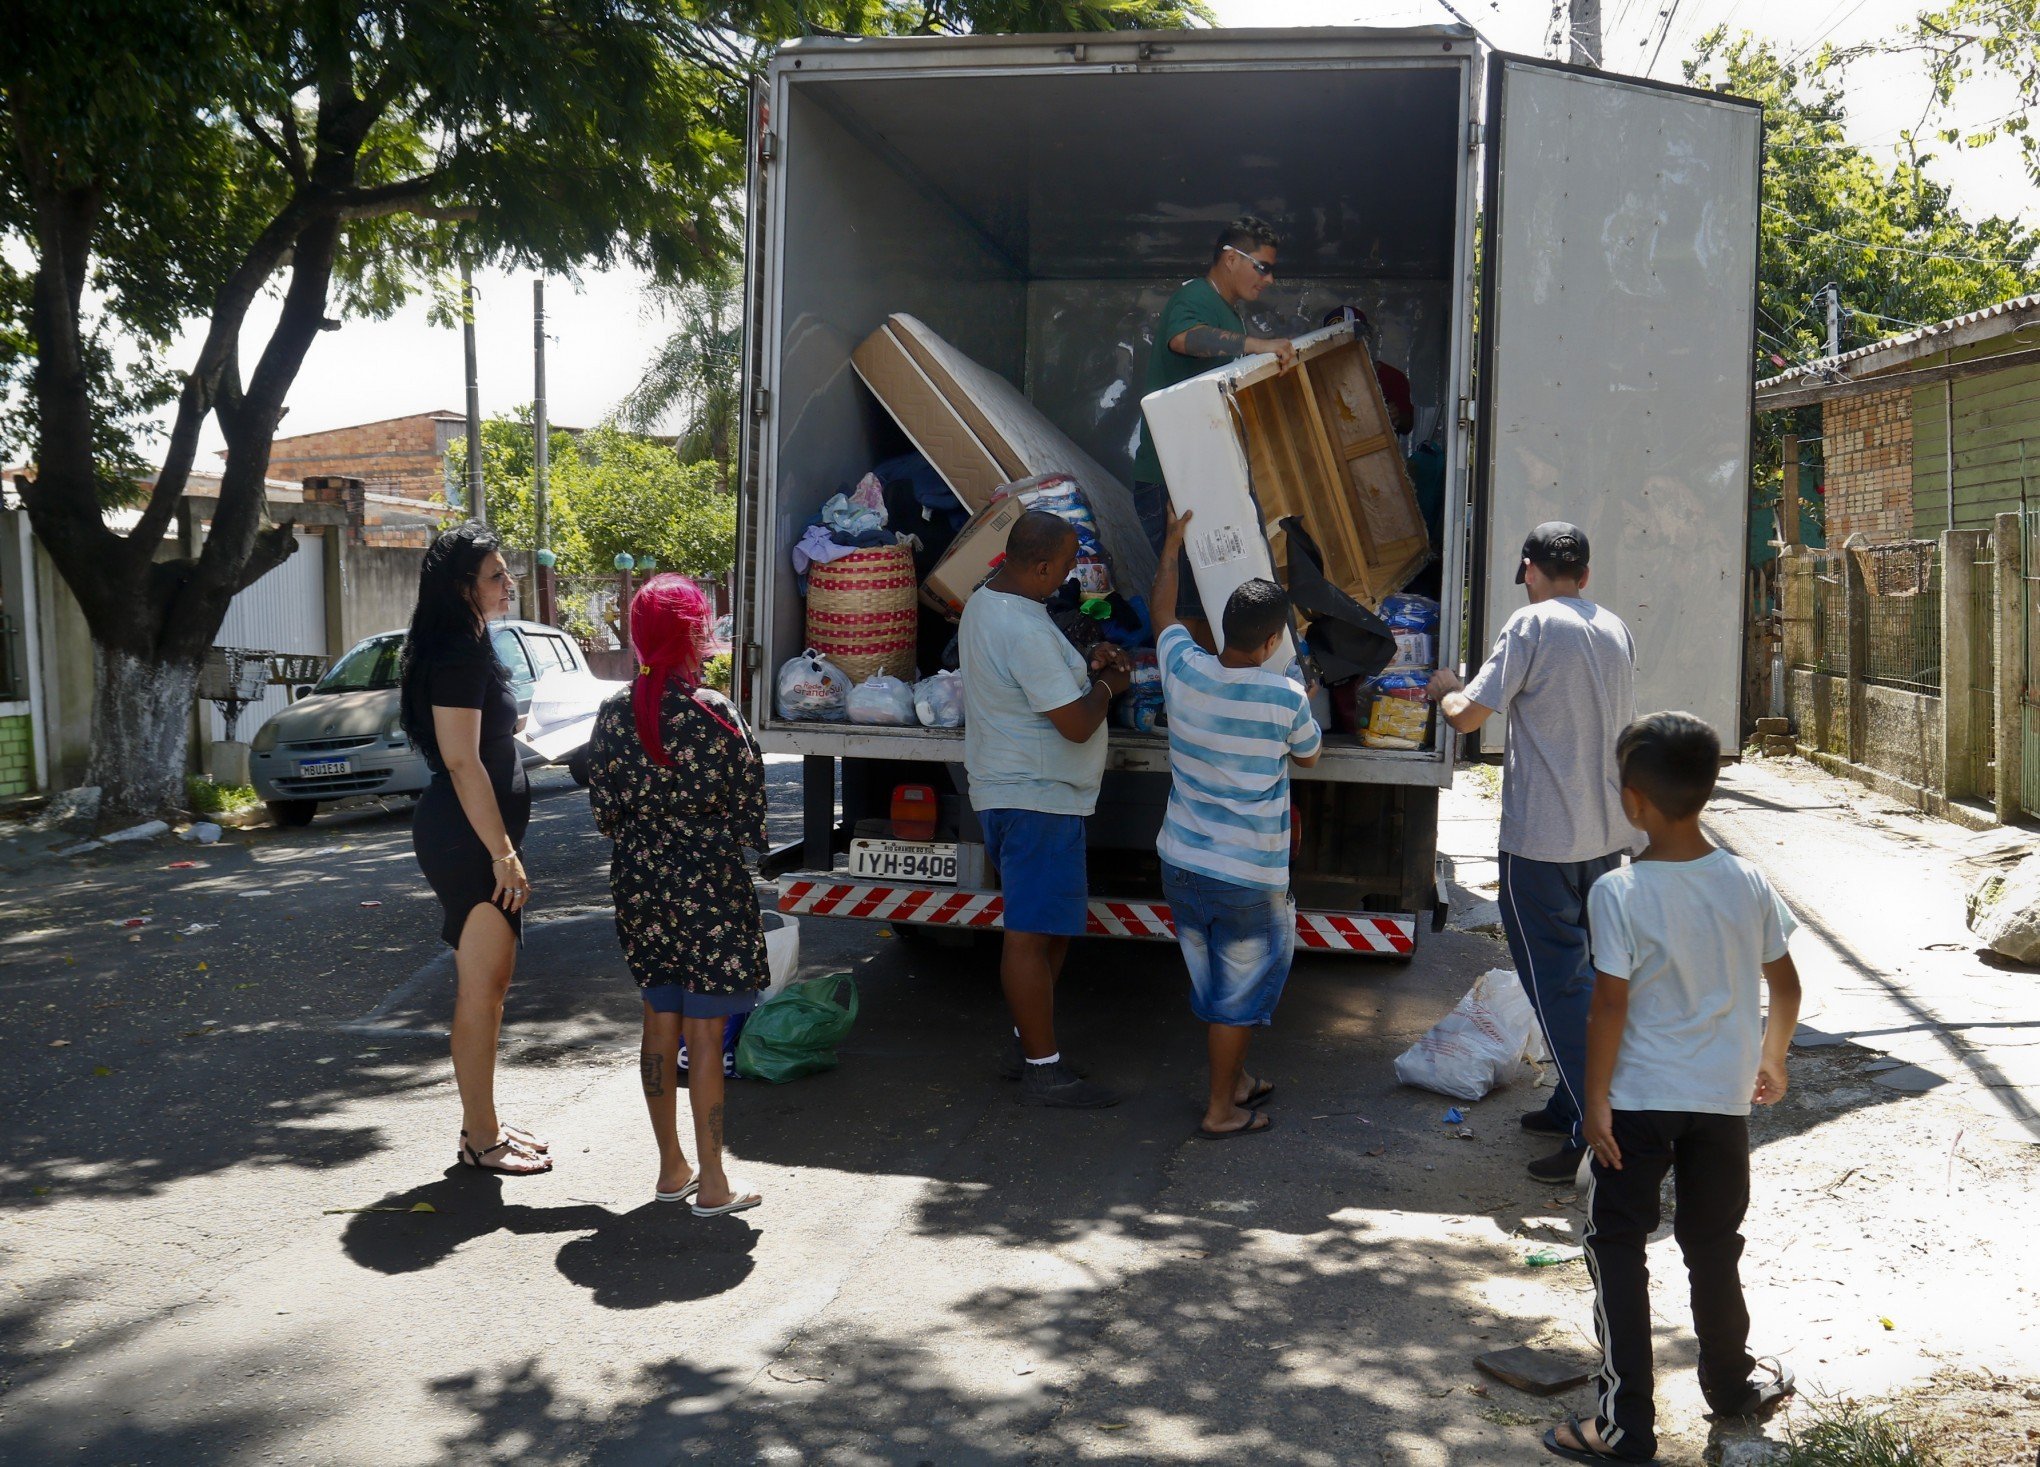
{"x":651,"y":1072}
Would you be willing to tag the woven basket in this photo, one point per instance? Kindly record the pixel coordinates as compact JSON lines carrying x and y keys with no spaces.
{"x":861,"y":612}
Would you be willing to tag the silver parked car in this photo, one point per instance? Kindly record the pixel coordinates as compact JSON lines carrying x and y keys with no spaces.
{"x":344,"y":735}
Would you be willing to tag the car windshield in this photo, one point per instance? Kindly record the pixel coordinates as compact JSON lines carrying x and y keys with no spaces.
{"x":369,"y":666}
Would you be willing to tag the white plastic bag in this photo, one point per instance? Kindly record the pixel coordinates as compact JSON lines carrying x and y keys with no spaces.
{"x":883,"y":699}
{"x":938,"y":700}
{"x":813,"y":689}
{"x":1489,"y":1039}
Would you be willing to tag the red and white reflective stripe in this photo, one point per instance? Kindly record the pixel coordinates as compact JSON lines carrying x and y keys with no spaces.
{"x":1394,"y":933}
{"x":1356,"y":932}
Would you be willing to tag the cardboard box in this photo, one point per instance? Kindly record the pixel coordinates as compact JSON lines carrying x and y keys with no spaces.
{"x":968,"y":560}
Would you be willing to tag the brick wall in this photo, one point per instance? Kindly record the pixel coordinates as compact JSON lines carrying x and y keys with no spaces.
{"x":400,"y":456}
{"x":1869,"y":442}
{"x":17,"y":756}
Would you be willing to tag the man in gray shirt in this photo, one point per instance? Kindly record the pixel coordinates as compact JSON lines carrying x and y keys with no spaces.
{"x":1563,"y":671}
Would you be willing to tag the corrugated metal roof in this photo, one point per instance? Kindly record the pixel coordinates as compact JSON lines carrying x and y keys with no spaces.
{"x":1999,"y":320}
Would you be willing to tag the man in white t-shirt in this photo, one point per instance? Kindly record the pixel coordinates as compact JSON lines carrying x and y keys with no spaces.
{"x":1563,"y":671}
{"x":1678,"y":1049}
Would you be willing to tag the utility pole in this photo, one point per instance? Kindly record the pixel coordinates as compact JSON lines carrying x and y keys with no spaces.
{"x":1834,"y":313}
{"x":540,"y":452}
{"x":477,"y":505}
{"x":1584,"y":28}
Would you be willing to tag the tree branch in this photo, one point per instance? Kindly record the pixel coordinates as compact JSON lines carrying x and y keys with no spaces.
{"x":270,"y":145}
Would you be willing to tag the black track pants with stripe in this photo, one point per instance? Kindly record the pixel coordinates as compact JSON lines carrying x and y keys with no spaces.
{"x":1709,"y":1159}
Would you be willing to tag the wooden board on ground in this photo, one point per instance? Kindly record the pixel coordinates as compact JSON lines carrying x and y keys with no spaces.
{"x":1540,"y":1372}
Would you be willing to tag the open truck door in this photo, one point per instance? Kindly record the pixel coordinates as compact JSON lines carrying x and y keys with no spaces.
{"x":1617,"y":334}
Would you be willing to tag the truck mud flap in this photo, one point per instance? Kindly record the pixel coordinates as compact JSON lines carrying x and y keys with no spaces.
{"x":1377,"y":934}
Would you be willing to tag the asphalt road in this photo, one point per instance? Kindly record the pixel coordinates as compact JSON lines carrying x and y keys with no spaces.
{"x":221,"y":1125}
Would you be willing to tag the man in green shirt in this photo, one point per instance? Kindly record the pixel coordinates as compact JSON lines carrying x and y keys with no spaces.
{"x":1200,"y":327}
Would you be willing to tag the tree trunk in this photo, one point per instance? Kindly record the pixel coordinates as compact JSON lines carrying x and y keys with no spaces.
{"x":141,"y":733}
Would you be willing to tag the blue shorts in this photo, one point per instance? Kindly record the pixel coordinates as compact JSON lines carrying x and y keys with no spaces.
{"x":1041,"y":870}
{"x":1237,"y":942}
{"x":673,"y":998}
{"x":1151,"y":503}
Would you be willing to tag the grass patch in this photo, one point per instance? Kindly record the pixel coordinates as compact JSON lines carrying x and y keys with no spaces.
{"x":208,"y":798}
{"x":1486,"y":778}
{"x":1849,"y":1434}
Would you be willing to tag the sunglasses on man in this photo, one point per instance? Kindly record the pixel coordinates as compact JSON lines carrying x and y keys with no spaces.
{"x":1261,"y":267}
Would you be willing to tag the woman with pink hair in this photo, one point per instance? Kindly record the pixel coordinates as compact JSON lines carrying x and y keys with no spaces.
{"x":678,"y":785}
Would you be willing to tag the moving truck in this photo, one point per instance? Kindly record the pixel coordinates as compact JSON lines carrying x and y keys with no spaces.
{"x":1562,"y":261}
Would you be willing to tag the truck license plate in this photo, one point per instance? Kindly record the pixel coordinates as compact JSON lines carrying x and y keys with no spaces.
{"x":308,"y":768}
{"x":910,"y":860}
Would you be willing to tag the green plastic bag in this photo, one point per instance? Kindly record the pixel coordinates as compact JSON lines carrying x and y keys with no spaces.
{"x":795,"y":1032}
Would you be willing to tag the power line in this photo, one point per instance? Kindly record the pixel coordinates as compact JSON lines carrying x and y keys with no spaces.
{"x":1813,"y":229}
{"x":1671,"y":14}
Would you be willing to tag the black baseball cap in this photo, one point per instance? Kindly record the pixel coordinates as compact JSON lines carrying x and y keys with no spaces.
{"x":1557,"y":548}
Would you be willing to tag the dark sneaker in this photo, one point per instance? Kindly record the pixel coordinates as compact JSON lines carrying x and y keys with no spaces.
{"x":1561,"y":1167}
{"x":1062,"y":1087}
{"x":1544,"y":1123}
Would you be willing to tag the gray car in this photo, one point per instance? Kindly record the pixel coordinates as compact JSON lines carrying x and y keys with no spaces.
{"x":344,"y":736}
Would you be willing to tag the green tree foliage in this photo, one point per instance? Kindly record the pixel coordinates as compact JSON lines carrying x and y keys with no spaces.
{"x":698,"y":370}
{"x":1960,"y":41}
{"x":1887,"y":235}
{"x":607,"y":491}
{"x":169,"y":163}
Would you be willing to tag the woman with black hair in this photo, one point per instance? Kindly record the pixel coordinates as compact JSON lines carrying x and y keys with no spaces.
{"x":458,"y":709}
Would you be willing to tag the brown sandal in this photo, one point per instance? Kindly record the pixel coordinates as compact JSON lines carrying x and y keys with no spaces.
{"x":524,"y":1139}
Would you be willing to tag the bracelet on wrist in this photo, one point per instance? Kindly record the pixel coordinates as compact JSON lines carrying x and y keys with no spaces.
{"x":507,"y":856}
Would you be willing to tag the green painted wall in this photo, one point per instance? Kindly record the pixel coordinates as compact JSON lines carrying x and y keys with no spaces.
{"x":17,"y":756}
{"x":1997,"y":414}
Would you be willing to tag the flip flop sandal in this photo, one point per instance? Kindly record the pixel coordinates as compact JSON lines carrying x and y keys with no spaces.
{"x":1593,"y":1450}
{"x":1267,"y":1123}
{"x":682,"y":1195}
{"x":480,"y":1160}
{"x":1261,"y":1091}
{"x":1765,"y":1398}
{"x":524,"y":1140}
{"x":736,"y":1204}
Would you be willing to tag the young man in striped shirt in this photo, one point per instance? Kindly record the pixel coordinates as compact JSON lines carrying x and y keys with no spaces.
{"x":1234,"y":729}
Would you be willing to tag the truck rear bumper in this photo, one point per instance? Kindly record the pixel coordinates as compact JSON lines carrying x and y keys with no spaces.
{"x":1369,"y":934}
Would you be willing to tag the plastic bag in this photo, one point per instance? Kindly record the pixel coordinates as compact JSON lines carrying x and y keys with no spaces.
{"x":1489,"y":1039}
{"x":1058,"y":494}
{"x":938,"y":700}
{"x":884,"y":699}
{"x":1405,"y":612}
{"x":1140,"y":707}
{"x":813,"y":689}
{"x":796,"y":1031}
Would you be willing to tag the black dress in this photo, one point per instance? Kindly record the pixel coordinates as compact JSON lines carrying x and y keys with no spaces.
{"x":460,"y":868}
{"x":686,"y":908}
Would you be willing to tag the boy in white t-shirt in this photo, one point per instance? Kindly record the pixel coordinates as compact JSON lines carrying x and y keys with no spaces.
{"x":1677,"y":1051}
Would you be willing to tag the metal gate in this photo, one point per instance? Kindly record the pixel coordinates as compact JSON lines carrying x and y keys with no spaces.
{"x":2029,"y":685}
{"x":285,"y":611}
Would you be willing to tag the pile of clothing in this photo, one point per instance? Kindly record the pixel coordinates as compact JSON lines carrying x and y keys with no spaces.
{"x":848,"y":522}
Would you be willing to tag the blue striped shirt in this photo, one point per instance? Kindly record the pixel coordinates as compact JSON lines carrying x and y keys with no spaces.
{"x":1232,"y":731}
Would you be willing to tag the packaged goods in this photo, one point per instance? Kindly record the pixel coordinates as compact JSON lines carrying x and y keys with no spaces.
{"x":1396,"y":722}
{"x":938,"y":700}
{"x":970,"y":556}
{"x":811,"y":689}
{"x":1058,"y":494}
{"x":1140,"y":707}
{"x":1409,"y":613}
{"x":884,"y":700}
{"x":1414,"y":650}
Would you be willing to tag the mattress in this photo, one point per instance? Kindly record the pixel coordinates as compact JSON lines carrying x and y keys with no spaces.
{"x":981,"y":432}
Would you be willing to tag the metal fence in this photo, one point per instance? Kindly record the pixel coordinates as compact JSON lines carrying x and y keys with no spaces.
{"x":1830,"y":614}
{"x":1983,"y":675}
{"x":1902,"y":605}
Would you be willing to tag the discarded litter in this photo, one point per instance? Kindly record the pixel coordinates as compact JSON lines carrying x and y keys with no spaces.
{"x":195,"y":928}
{"x":203,"y":832}
{"x":1886,"y":1322}
{"x":414,"y":1207}
{"x":371,"y":904}
{"x":180,"y":866}
{"x":1547,"y":1257}
{"x":60,"y":1044}
{"x":135,"y":921}
{"x":1454,"y":1116}
{"x":1464,"y":1133}
{"x":260,"y":891}
{"x":147,"y":830}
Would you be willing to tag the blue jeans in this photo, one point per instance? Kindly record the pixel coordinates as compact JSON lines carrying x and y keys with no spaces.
{"x":1151,"y":503}
{"x":1544,"y":915}
{"x":1237,"y":943}
{"x":1042,"y":880}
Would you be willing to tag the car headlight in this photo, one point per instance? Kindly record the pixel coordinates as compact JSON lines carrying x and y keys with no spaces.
{"x":265,"y":738}
{"x":393,"y":727}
